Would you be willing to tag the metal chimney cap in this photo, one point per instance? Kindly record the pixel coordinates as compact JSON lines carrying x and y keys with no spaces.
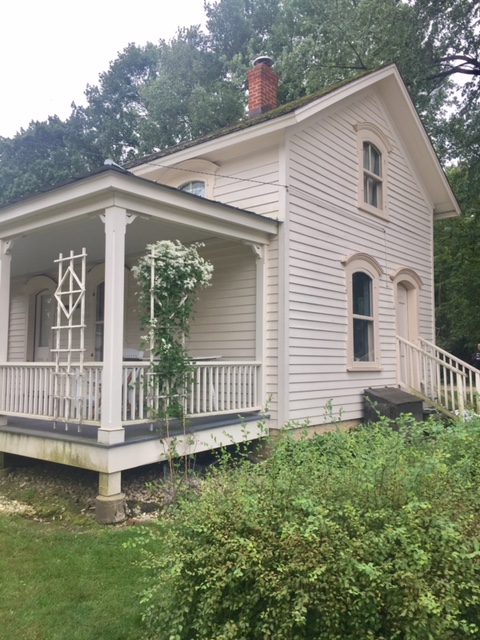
{"x":264,"y":60}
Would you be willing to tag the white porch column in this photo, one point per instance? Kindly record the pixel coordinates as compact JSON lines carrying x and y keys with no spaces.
{"x":111,"y":430}
{"x":261,"y":253}
{"x":5,"y":268}
{"x":5,"y":265}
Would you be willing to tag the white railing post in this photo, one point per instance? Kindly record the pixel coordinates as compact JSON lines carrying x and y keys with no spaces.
{"x":460,"y":396}
{"x":444,"y":378}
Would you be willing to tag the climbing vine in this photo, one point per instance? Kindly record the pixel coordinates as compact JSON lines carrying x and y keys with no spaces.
{"x":170,"y":277}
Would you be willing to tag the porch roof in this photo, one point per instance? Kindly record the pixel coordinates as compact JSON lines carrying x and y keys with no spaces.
{"x":110,"y":186}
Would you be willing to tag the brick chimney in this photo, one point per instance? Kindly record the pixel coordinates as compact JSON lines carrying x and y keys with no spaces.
{"x":262,"y":87}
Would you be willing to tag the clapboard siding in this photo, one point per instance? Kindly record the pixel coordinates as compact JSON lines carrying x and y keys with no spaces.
{"x":17,"y":333}
{"x":251,"y":182}
{"x":225,"y":315}
{"x":325,"y":227}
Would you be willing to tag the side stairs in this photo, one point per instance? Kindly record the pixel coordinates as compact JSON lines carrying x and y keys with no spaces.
{"x":438,"y":378}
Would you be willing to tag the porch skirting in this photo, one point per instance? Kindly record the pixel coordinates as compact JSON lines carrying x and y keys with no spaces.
{"x":143,"y":445}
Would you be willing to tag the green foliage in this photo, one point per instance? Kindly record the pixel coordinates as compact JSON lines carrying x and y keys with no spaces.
{"x":369,"y":534}
{"x":43,"y":156}
{"x":170,"y":276}
{"x":457,"y":267}
{"x":115,"y":113}
{"x":191,"y":95}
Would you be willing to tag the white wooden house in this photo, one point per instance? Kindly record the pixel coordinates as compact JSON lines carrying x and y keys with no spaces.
{"x":318,"y":218}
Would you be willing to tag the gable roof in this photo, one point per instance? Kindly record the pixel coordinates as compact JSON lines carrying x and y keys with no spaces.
{"x":243,"y":124}
{"x":386,"y":82}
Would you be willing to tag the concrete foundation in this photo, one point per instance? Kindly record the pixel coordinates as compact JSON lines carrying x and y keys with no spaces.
{"x":110,"y":509}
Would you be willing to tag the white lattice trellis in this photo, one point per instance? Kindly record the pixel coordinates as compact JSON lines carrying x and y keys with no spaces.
{"x":69,"y":332}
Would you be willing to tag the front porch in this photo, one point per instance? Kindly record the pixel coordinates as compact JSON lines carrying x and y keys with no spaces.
{"x":68,"y":392}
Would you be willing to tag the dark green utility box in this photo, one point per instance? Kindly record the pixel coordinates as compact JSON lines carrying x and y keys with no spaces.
{"x":390,"y":402}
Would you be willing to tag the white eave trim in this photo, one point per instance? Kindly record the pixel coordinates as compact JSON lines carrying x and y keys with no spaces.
{"x":90,"y":196}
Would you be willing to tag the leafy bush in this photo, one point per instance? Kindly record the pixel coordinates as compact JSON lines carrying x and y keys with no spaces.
{"x":348,"y":536}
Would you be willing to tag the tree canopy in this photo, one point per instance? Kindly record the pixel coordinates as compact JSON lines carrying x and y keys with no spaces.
{"x":158,"y":95}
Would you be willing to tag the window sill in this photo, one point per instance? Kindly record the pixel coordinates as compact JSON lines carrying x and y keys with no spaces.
{"x":374,"y":211}
{"x":364,"y":366}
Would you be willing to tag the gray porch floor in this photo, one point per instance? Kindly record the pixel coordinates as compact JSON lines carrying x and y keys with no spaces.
{"x":133,"y":432}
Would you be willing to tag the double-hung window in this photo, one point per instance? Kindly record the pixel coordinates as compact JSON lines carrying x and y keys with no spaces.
{"x":373,"y":150}
{"x":363,"y":317}
{"x":362,"y":274}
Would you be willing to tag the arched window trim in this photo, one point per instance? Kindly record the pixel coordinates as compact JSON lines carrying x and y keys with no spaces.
{"x":371,"y":134}
{"x":363,"y":263}
{"x":190,"y":171}
{"x":31,"y":289}
{"x":413,"y":283}
{"x":408,"y":276}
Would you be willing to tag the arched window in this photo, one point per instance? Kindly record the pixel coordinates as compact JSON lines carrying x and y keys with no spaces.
{"x":197,"y":187}
{"x":363,"y":317}
{"x":362,"y":274}
{"x":373,"y":150}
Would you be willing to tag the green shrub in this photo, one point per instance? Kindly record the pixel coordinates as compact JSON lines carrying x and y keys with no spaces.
{"x":348,"y":536}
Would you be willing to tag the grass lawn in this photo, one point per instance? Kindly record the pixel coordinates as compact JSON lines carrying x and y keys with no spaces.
{"x":60,"y":583}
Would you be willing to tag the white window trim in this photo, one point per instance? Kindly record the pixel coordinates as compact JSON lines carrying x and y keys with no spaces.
{"x":412,"y":283}
{"x":366,"y":264}
{"x":370,"y":133}
{"x":31,"y":289}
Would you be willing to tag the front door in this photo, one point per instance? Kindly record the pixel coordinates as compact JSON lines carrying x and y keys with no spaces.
{"x":43,"y":326}
{"x":406,"y":328}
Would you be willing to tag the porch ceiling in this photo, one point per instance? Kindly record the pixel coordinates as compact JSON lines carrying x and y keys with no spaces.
{"x":35,"y":251}
{"x":68,"y":217}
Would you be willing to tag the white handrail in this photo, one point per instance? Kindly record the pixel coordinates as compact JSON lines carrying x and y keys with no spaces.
{"x":445,"y":380}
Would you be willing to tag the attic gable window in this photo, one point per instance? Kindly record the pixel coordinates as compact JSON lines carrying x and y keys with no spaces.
{"x":197,"y":187}
{"x":373,"y":151}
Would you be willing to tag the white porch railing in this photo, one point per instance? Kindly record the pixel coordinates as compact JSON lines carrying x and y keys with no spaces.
{"x":447,"y":382}
{"x":217,"y":388}
{"x":27,"y":390}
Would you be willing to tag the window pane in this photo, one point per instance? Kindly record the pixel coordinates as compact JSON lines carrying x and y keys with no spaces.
{"x":363,"y":340}
{"x":196,"y":187}
{"x":44,"y":319}
{"x":100,"y":303}
{"x":366,"y":156}
{"x":362,"y":294}
{"x":375,"y":164}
